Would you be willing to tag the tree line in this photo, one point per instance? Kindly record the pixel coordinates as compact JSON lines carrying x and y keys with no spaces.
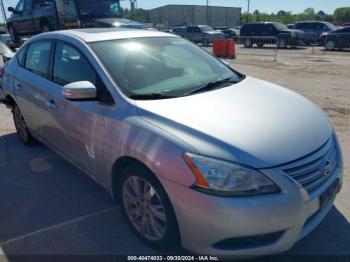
{"x":339,"y":17}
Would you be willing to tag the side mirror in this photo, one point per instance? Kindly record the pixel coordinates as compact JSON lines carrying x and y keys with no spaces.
{"x":78,"y":91}
{"x":11,"y":9}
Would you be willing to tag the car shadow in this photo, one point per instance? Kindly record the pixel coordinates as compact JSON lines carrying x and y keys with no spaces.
{"x":48,"y":207}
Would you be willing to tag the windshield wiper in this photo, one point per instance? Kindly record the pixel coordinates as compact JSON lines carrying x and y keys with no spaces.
{"x":152,"y":96}
{"x":212,"y":86}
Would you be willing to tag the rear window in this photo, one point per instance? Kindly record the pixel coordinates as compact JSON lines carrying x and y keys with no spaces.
{"x":20,"y":56}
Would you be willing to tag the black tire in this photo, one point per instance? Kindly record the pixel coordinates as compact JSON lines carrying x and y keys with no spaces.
{"x":282,"y":43}
{"x":248,"y":43}
{"x":45,"y":27}
{"x":206,"y":42}
{"x":330,"y":45}
{"x":171,"y":237}
{"x":13,"y":33}
{"x":21,"y":127}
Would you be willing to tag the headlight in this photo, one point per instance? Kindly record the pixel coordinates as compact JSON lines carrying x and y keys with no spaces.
{"x":227,"y":179}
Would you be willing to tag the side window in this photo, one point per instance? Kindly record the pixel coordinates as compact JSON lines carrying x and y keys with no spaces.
{"x":70,"y":9}
{"x":189,"y":29}
{"x":42,"y":3}
{"x":19,"y":6}
{"x":20,"y":56}
{"x":38,"y":58}
{"x":71,"y":66}
{"x":197,"y":30}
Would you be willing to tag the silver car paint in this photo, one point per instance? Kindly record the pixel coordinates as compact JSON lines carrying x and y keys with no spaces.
{"x":254,"y":123}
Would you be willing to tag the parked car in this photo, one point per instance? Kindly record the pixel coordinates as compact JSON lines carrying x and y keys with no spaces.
{"x":290,"y":26}
{"x":134,"y":110}
{"x":201,"y":34}
{"x":313,"y":30}
{"x":178,"y":30}
{"x":336,"y":39}
{"x":31,"y":17}
{"x":230,"y":33}
{"x":261,"y":33}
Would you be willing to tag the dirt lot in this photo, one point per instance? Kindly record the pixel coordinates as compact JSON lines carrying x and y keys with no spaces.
{"x":49,"y":207}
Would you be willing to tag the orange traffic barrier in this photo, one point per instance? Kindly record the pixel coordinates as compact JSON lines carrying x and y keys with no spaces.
{"x":225,"y":48}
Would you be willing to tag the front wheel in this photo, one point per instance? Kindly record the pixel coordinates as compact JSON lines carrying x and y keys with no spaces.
{"x":147,"y":207}
{"x":282,"y":43}
{"x":21,"y":126}
{"x":330,"y":45}
{"x":45,"y":27}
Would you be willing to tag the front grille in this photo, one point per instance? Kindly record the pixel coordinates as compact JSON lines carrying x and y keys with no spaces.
{"x":313,"y":172}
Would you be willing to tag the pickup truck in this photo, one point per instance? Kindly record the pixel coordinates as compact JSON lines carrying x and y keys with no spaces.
{"x":201,"y":34}
{"x":31,"y":17}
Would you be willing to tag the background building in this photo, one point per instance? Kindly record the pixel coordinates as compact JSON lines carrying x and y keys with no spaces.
{"x":177,"y":15}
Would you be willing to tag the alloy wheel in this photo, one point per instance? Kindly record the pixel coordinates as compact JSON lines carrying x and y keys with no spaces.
{"x":144,"y":208}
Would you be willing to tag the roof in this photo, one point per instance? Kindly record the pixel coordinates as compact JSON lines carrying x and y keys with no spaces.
{"x":202,"y":6}
{"x":104,"y":34}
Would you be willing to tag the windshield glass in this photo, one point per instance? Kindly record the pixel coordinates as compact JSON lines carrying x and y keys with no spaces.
{"x":206,"y":28}
{"x":160,"y":65}
{"x":280,"y":26}
{"x":99,"y":8}
{"x":330,"y":25}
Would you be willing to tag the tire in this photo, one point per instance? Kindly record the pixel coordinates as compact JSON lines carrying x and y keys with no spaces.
{"x":13,"y":34}
{"x":330,"y":45}
{"x":45,"y":27}
{"x":206,"y":42}
{"x":248,"y":43}
{"x":21,"y":127}
{"x":160,"y":228}
{"x":260,"y":45}
{"x":282,"y":43}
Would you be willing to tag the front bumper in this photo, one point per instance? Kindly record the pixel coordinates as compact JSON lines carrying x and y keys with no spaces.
{"x":206,"y":221}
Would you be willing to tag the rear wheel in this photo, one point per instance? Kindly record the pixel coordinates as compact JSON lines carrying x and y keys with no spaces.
{"x":248,"y":43}
{"x":282,"y":43}
{"x":147,"y":207}
{"x":21,"y":126}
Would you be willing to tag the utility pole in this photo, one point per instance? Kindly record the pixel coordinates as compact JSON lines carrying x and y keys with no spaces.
{"x":3,"y":11}
{"x":248,"y":11}
{"x":207,"y":12}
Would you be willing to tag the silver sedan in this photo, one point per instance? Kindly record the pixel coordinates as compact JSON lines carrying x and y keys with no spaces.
{"x":195,"y":152}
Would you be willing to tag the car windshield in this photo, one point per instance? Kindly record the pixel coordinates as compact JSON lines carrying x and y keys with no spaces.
{"x":161,"y":65}
{"x":99,"y":8}
{"x":280,"y":26}
{"x":206,"y":28}
{"x":330,"y":25}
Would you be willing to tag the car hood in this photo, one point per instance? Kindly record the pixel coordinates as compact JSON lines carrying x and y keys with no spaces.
{"x":254,"y":123}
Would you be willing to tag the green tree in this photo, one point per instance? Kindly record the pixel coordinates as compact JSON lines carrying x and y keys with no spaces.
{"x":341,"y":15}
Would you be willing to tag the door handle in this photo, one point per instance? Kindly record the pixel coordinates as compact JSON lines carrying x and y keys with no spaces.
{"x":50,"y":104}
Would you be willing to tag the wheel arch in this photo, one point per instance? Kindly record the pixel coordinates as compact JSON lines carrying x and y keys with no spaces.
{"x":9,"y":101}
{"x":119,"y":165}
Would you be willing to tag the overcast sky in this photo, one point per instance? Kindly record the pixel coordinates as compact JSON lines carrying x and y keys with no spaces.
{"x":262,"y":5}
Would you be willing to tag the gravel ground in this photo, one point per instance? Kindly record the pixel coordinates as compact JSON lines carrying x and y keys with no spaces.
{"x":49,"y":207}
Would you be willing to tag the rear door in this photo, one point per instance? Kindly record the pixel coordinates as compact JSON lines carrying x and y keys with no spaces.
{"x":31,"y":77}
{"x":79,"y":124}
